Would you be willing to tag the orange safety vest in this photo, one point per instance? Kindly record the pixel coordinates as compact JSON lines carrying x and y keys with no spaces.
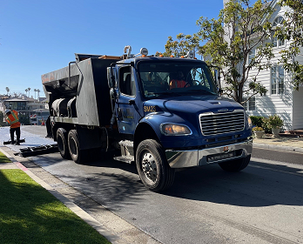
{"x":13,"y":119}
{"x":177,"y":84}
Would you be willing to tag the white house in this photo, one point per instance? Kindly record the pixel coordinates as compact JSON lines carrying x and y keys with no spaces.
{"x":281,"y":98}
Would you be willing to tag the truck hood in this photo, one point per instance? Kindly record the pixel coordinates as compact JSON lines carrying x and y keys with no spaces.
{"x":193,"y":105}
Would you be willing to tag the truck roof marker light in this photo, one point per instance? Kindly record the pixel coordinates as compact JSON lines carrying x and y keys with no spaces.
{"x":182,"y":57}
{"x":172,"y":56}
{"x":144,"y":51}
{"x":161,"y":55}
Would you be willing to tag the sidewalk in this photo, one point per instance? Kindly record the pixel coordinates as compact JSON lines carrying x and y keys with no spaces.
{"x":280,"y":143}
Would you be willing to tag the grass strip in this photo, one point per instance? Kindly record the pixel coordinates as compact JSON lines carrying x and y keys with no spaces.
{"x":30,"y":214}
{"x":4,"y":159}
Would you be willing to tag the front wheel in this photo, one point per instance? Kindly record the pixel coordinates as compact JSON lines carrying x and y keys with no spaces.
{"x":152,"y":166}
{"x":235,"y":165}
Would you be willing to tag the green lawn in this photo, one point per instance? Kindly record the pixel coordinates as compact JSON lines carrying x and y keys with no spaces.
{"x":3,"y":158}
{"x":30,"y":214}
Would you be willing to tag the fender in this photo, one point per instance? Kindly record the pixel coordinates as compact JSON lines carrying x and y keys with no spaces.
{"x":156,"y":119}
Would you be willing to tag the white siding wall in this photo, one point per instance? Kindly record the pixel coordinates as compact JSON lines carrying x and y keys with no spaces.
{"x":298,"y":101}
{"x":270,"y":104}
{"x":280,"y":104}
{"x":297,"y":109}
{"x":288,"y":105}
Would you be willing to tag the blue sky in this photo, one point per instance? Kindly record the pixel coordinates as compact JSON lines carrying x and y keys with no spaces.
{"x":39,"y":36}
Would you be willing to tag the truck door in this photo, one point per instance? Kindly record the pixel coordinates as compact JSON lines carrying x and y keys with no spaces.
{"x":126,"y":113}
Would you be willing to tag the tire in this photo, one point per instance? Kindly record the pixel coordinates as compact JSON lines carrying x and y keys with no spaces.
{"x":61,"y":136}
{"x":152,"y":166}
{"x":77,"y":155}
{"x":235,"y":165}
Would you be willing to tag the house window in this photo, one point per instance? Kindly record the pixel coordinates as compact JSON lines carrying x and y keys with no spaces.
{"x":276,"y":42}
{"x":277,"y":80}
{"x":250,"y":105}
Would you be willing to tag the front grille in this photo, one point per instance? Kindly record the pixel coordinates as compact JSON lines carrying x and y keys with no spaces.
{"x":221,"y":123}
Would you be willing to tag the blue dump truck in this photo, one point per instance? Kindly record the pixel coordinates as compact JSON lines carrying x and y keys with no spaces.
{"x":161,"y":113}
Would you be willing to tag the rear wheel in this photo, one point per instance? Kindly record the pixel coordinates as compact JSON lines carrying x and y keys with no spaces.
{"x":77,"y":155}
{"x":152,"y":166}
{"x":235,"y":165}
{"x":61,"y":136}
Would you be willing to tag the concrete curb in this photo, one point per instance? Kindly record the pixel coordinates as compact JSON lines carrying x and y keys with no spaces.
{"x":112,"y":227}
{"x":278,"y":147}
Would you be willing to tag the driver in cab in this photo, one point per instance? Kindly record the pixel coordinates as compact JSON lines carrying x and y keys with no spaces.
{"x":178,"y":81}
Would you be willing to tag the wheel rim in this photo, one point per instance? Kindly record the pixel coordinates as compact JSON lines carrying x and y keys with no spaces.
{"x":73,"y":146}
{"x":149,"y":166}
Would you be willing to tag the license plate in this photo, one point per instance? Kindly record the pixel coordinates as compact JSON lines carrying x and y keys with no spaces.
{"x":220,"y":156}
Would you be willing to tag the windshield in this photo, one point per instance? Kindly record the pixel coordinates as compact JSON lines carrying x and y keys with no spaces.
{"x":171,"y":78}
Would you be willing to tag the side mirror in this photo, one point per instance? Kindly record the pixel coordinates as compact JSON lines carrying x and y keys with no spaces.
{"x":111,"y":77}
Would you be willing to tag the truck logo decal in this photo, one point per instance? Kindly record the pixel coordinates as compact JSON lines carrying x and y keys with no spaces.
{"x":149,"y":109}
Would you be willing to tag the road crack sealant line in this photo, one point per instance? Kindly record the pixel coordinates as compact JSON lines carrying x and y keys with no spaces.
{"x":110,"y":234}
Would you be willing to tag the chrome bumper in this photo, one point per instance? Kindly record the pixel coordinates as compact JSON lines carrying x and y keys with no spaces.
{"x":194,"y":158}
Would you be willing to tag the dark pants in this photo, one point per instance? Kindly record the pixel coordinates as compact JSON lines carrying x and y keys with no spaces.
{"x":12,"y":131}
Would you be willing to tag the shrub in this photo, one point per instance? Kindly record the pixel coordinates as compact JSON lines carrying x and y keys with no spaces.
{"x":273,"y":121}
{"x":257,"y":120}
{"x":257,"y":129}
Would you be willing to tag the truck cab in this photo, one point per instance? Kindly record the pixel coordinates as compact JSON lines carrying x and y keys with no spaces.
{"x":165,"y":114}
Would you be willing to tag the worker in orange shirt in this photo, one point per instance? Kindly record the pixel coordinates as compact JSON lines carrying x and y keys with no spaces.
{"x":13,"y":120}
{"x":178,"y":81}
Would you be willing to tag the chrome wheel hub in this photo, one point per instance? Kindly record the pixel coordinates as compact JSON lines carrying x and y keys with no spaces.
{"x":149,"y":166}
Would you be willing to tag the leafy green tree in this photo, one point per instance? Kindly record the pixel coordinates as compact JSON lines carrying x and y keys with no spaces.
{"x":292,"y":30}
{"x":237,"y":41}
{"x":182,"y":45}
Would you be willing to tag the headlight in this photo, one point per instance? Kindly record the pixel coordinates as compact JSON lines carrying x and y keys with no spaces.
{"x":175,"y":130}
{"x":249,"y":121}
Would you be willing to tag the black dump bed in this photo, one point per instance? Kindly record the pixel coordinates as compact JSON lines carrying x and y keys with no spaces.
{"x":79,"y":92}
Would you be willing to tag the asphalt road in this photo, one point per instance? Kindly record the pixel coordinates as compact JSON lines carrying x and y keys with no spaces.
{"x":261,"y":204}
{"x":276,"y":155}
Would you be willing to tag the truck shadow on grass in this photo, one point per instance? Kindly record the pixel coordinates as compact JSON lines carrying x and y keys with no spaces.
{"x":260,"y":184}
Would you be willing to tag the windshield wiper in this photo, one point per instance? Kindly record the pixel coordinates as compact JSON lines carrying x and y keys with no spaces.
{"x":199,"y":91}
{"x":169,"y":93}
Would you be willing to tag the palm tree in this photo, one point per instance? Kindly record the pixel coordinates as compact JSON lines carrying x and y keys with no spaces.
{"x":26,"y":91}
{"x":35,"y":90}
{"x":38,"y":93}
{"x":7,"y":90}
{"x":29,"y":89}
